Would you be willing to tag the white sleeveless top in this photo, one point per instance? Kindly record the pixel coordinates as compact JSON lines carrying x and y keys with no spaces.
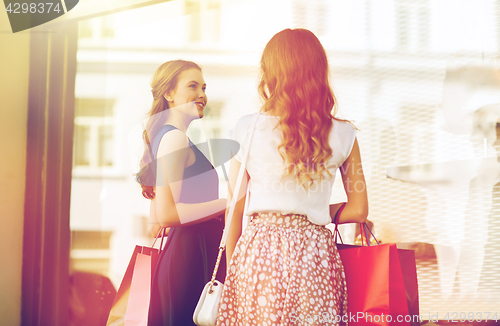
{"x":265,"y":166}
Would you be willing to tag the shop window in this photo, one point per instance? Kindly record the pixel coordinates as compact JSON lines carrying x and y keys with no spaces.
{"x":94,"y":134}
{"x":204,"y":20}
{"x":412,"y":21}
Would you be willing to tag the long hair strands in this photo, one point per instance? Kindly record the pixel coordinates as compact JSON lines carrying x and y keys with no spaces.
{"x":295,"y":87}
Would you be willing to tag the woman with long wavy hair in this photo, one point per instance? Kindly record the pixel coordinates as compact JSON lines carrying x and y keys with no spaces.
{"x":285,"y":269}
{"x":183,"y":187}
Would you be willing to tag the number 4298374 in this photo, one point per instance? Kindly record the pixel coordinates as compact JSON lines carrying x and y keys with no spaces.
{"x":470,"y":317}
{"x":32,"y":8}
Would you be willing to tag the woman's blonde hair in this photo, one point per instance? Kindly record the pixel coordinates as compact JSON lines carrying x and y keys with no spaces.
{"x":163,"y":82}
{"x":295,"y":87}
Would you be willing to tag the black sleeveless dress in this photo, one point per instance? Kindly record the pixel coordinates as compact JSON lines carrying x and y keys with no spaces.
{"x":187,"y":261}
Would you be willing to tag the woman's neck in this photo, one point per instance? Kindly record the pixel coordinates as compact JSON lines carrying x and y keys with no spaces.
{"x":178,"y":120}
{"x":179,"y":124}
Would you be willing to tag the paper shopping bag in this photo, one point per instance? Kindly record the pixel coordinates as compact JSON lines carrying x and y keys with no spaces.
{"x":375,"y":285}
{"x":131,"y":304}
{"x":409,"y":271}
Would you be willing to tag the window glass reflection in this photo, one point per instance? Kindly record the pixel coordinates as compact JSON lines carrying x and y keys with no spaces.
{"x":420,"y":79}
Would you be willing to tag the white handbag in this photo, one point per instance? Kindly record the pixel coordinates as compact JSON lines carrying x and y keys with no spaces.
{"x":207,"y":308}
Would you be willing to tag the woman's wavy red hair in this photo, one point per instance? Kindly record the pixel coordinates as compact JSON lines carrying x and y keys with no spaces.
{"x":295,"y":87}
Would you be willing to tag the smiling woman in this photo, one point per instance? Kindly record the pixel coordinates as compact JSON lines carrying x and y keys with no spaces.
{"x":183,"y":187}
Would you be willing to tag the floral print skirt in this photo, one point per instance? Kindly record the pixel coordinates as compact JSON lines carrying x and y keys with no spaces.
{"x":285,"y":270}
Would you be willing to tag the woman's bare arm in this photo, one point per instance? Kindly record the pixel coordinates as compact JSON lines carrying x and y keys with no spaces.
{"x":153,"y":224}
{"x":173,"y":154}
{"x":356,"y":208}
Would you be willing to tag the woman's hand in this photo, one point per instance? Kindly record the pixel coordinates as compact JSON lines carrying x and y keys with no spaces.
{"x":154,"y":228}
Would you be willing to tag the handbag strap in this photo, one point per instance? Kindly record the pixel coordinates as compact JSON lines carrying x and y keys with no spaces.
{"x":238,"y":185}
{"x":222,"y":245}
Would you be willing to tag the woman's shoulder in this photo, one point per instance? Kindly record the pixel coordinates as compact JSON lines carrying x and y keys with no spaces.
{"x":343,"y":136}
{"x":242,"y":125}
{"x":246,"y":119}
{"x":341,"y":126}
{"x":172,"y":141}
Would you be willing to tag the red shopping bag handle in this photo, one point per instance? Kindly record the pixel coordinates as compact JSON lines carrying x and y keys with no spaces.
{"x":335,"y":218}
{"x":362,"y":227}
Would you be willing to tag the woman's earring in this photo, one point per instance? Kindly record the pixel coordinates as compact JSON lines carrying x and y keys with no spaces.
{"x":169,"y":99}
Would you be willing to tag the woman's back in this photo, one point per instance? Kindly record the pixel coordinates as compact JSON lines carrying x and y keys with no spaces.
{"x":270,"y":193}
{"x":285,"y":265}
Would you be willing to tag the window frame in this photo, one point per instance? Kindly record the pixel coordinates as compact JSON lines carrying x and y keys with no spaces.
{"x":49,"y":159}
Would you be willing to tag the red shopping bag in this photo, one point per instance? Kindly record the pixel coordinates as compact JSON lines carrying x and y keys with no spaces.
{"x":131,"y":304}
{"x":409,"y":270}
{"x":375,"y":285}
